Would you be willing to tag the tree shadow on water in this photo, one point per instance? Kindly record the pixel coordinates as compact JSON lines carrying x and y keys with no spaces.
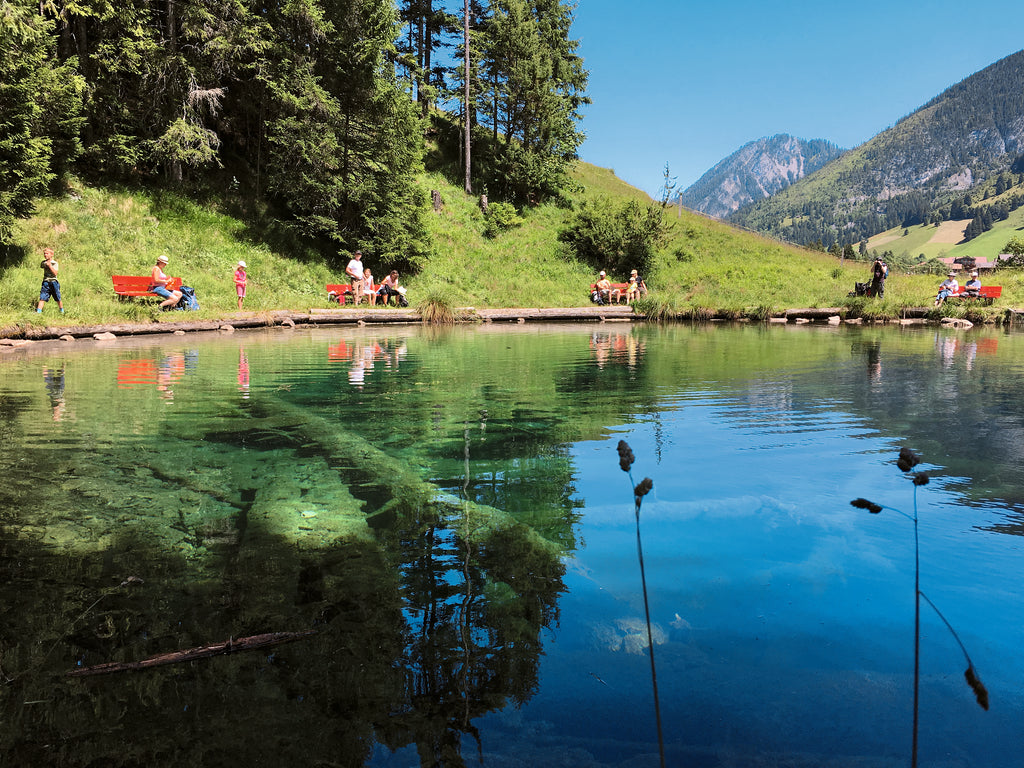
{"x":416,"y":635}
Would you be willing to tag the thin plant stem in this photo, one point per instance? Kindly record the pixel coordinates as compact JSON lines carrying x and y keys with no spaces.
{"x":950,"y":628}
{"x":650,"y":638}
{"x":917,"y":632}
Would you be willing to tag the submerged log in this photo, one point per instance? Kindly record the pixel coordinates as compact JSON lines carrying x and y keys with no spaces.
{"x":396,"y":479}
{"x":251,"y":643}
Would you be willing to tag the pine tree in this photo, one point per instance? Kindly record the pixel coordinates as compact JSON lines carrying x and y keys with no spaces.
{"x":40,"y":106}
{"x":535,"y":89}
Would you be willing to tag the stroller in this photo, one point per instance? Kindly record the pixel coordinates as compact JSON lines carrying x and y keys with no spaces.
{"x":862,"y":289}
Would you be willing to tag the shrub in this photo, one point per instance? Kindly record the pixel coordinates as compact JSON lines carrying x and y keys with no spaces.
{"x":616,"y":237}
{"x":501,"y":217}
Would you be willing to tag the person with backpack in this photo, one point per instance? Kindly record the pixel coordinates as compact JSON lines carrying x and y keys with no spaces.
{"x":158,"y":284}
{"x":390,"y":287}
{"x":879,"y":271}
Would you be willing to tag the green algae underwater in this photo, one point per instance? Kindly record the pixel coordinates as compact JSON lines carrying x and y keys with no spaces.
{"x":439,"y":516}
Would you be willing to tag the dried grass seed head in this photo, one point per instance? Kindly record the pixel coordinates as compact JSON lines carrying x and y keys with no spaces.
{"x":870,"y":506}
{"x":907,"y":460}
{"x":626,"y":457}
{"x":980,"y":692}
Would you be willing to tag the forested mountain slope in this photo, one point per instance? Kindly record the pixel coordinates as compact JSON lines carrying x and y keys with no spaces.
{"x":755,"y":171}
{"x":919,"y":170}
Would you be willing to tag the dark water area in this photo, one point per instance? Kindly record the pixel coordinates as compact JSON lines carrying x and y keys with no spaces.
{"x":415,"y":547}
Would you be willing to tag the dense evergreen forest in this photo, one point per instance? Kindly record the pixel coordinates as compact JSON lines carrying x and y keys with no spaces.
{"x":316,"y":113}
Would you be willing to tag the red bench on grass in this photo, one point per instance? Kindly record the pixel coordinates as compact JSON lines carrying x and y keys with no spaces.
{"x":129,"y":286}
{"x":986,"y":294}
{"x":342,"y":292}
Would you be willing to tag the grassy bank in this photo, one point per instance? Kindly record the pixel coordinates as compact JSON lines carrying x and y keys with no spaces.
{"x":703,"y":265}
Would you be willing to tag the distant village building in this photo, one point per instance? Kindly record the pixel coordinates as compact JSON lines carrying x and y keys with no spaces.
{"x":966,"y":263}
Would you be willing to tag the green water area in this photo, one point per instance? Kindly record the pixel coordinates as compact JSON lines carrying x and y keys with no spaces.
{"x":410,"y":546}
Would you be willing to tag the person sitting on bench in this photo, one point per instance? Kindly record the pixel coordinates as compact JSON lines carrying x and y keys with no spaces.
{"x":159,"y":285}
{"x":605,"y":292}
{"x":947,"y":288}
{"x":972,"y":288}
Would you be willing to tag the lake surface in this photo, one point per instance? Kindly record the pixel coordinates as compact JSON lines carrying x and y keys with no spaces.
{"x":444,"y":509}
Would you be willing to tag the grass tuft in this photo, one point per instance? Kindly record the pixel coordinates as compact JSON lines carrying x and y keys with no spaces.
{"x":435,"y":308}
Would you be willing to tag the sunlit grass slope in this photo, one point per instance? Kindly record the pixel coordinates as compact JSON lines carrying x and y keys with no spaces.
{"x":927,"y":240}
{"x":703,"y":263}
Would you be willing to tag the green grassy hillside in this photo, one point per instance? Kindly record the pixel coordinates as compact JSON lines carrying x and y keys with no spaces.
{"x":703,"y":264}
{"x":939,"y":242}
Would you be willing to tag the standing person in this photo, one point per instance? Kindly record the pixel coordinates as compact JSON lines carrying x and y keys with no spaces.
{"x":159,"y":284}
{"x":241,"y":281}
{"x":947,"y":288}
{"x":51,"y":287}
{"x":354,"y":270}
{"x":879,"y":271}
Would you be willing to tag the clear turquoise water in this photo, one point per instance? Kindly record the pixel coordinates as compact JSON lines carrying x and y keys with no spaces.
{"x":446,"y":510}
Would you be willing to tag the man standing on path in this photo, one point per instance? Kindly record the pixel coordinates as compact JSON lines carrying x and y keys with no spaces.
{"x":354,"y":270}
{"x":50,"y":288}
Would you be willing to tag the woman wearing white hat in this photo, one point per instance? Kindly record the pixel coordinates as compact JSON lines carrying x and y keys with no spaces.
{"x":158,"y":284}
{"x":947,"y":288}
{"x":241,"y":281}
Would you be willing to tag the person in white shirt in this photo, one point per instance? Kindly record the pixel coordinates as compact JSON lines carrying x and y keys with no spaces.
{"x":947,"y":288}
{"x":354,"y":270}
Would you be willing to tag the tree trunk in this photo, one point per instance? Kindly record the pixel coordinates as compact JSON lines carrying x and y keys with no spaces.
{"x":172,"y":26}
{"x":251,"y":643}
{"x":469,"y":111}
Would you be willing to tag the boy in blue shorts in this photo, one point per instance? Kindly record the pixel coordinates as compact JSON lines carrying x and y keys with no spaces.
{"x":50,"y":288}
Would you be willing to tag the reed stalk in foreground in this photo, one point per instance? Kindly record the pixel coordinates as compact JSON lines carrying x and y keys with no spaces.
{"x":641,"y":489}
{"x":907,"y":461}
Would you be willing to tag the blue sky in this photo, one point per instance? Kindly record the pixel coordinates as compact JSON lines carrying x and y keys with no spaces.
{"x":689,"y":83}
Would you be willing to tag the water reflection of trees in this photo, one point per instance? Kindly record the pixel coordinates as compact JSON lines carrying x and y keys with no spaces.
{"x":420,"y":631}
{"x":474,"y":610}
{"x":415,"y":639}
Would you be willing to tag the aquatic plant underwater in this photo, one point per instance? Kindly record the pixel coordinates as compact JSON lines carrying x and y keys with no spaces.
{"x":906,"y":461}
{"x":641,"y":489}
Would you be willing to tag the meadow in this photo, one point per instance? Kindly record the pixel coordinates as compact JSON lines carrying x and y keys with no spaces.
{"x":702,"y":266}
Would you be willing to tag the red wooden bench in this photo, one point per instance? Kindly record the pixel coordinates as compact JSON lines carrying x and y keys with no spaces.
{"x":342,"y":292}
{"x":129,"y":286}
{"x":986,"y":294}
{"x":620,"y":287}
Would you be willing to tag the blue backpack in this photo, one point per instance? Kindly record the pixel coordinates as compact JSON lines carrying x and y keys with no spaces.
{"x":188,"y":299}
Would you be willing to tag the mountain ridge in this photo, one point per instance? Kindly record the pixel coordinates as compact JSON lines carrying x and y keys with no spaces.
{"x":755,"y":171}
{"x":913,"y":172}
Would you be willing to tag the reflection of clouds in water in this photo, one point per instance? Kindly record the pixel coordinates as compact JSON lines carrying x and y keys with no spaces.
{"x":735,"y":507}
{"x":628,"y":634}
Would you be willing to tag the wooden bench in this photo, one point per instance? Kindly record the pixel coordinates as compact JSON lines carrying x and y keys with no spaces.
{"x":130,"y":286}
{"x":342,"y":292}
{"x":986,"y":294}
{"x":620,"y":287}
